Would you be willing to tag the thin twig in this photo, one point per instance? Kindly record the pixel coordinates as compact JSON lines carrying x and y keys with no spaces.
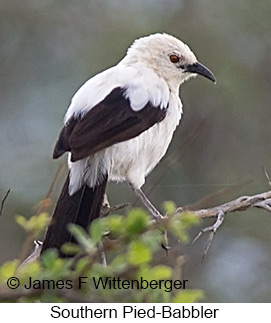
{"x":3,"y":202}
{"x":109,"y":209}
{"x":212,"y":229}
{"x":117,"y":207}
{"x":267,"y":176}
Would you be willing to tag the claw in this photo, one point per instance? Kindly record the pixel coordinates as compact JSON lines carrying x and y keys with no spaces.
{"x":165,"y":247}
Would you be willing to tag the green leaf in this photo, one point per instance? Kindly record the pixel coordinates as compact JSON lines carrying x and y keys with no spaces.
{"x":188,"y":296}
{"x":97,"y":230}
{"x":162,"y":272}
{"x":180,"y":225}
{"x":136,"y":221}
{"x":99,"y":270}
{"x":30,"y":269}
{"x":155,"y":273}
{"x":70,"y":248}
{"x":169,"y":207}
{"x":82,"y":264}
{"x":119,"y":263}
{"x":139,"y":253}
{"x":189,"y":219}
{"x":21,"y":220}
{"x":34,"y":225}
{"x":81,"y":236}
{"x":8,"y":269}
{"x":115,"y":224}
{"x":55,"y":267}
{"x":153,"y":239}
{"x":49,"y":257}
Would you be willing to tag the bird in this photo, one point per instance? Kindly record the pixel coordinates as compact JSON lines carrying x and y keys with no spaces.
{"x":118,"y":127}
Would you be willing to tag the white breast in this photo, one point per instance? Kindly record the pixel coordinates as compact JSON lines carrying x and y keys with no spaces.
{"x":133,"y":159}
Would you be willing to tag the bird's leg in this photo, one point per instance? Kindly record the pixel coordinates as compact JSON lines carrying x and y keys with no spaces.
{"x":153,"y":211}
{"x":150,"y":207}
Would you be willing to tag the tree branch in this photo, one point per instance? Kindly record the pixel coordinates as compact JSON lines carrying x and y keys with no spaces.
{"x":262,"y":200}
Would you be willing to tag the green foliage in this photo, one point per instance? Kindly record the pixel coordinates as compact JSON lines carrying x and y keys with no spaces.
{"x":136,"y":222}
{"x":182,"y":222}
{"x":139,"y":253}
{"x":8,"y":269}
{"x":135,"y":270}
{"x":35,"y":225}
{"x":169,"y":207}
{"x":96,"y":231}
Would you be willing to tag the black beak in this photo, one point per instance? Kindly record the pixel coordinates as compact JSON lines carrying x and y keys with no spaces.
{"x":200,"y":69}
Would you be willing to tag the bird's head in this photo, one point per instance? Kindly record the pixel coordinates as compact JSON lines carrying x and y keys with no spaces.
{"x":169,"y":57}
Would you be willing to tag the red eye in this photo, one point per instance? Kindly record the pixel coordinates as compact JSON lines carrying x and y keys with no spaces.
{"x":174,"y":58}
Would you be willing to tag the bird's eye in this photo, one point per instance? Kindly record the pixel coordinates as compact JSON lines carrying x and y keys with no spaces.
{"x":174,"y":58}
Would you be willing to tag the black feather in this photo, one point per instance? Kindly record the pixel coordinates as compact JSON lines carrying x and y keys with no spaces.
{"x":80,"y":208}
{"x":109,"y":122}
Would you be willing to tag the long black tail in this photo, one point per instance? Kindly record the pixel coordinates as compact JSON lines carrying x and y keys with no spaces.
{"x":80,"y":208}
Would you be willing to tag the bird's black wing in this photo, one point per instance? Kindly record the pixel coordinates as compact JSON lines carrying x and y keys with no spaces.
{"x":109,"y":122}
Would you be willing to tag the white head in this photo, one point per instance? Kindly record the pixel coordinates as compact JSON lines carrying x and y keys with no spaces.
{"x":169,"y":57}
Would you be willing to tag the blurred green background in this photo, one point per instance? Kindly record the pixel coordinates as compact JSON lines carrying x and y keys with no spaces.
{"x":49,"y":48}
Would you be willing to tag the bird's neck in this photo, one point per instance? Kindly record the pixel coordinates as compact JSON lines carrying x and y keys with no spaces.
{"x":174,"y":86}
